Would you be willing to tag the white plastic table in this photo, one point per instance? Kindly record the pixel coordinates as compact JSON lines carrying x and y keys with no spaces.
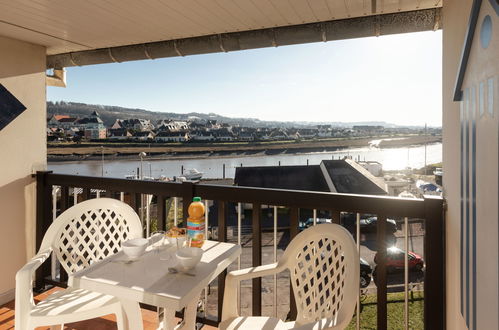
{"x":148,"y":281}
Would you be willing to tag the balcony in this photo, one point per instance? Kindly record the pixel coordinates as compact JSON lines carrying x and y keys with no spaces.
{"x":263,"y":221}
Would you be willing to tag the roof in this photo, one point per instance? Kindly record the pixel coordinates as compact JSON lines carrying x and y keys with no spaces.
{"x":470,"y":33}
{"x":67,"y":119}
{"x":307,"y":178}
{"x":88,"y":120}
{"x":59,"y":117}
{"x":342,"y":176}
{"x":351,"y":178}
{"x":113,"y":23}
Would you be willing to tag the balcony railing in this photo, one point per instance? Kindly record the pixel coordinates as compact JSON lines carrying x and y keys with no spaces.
{"x":157,"y":204}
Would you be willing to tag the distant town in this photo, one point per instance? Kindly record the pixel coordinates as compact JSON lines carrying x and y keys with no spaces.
{"x":68,"y":128}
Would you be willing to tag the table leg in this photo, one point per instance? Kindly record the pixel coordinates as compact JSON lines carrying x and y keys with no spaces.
{"x":166,"y":318}
{"x":132,"y":315}
{"x":190,"y":315}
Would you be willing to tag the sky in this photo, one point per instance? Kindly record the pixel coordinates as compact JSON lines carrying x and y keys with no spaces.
{"x":397,"y":79}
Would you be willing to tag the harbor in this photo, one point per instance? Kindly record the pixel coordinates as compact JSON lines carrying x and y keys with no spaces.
{"x":392,"y":159}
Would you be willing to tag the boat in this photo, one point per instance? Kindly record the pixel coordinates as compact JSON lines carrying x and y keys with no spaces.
{"x":136,"y":177}
{"x":193,"y":174}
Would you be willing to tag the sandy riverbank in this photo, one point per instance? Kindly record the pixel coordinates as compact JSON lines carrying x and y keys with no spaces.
{"x":94,"y":151}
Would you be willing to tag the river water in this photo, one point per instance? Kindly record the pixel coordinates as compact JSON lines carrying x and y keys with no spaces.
{"x":212,"y":167}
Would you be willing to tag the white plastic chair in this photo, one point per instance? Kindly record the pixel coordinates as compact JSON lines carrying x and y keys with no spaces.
{"x":85,"y":233}
{"x":324,"y":266}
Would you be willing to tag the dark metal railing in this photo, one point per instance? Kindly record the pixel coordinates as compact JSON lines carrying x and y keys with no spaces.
{"x":430,"y":210}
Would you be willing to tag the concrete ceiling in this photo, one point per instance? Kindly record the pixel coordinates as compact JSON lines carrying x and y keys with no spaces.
{"x":65,"y":26}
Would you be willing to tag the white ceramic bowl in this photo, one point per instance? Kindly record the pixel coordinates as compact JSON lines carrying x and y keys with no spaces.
{"x":173,"y":240}
{"x":189,"y":257}
{"x":134,"y":248}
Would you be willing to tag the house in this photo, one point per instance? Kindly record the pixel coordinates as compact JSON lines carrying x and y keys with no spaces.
{"x":368,"y":129}
{"x":324,"y":131}
{"x":117,"y":124}
{"x":119,"y":134}
{"x":167,"y":125}
{"x":263,"y":134}
{"x":202,"y":135}
{"x":53,"y":121}
{"x":135,"y":124}
{"x":196,"y":125}
{"x":72,"y":132}
{"x":178,"y":136}
{"x":279,"y":134}
{"x":246,"y":136}
{"x":212,"y":124}
{"x":306,"y":133}
{"x":62,"y":121}
{"x":55,"y":134}
{"x":92,"y":126}
{"x":223,"y":134}
{"x":143,"y":136}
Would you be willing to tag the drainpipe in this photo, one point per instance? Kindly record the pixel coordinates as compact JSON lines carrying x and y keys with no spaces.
{"x":57,"y":78}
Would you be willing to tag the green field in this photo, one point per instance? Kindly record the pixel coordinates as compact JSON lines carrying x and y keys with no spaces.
{"x":368,"y":315}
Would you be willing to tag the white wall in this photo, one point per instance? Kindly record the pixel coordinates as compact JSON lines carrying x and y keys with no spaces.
{"x":22,"y":150}
{"x":483,"y":277}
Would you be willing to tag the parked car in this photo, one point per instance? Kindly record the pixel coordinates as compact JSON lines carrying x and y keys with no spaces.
{"x":365,"y":273}
{"x":395,"y":260}
{"x":368,"y":224}
{"x":310,"y":222}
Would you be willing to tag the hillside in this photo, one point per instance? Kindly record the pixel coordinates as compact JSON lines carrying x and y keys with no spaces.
{"x":109,"y":114}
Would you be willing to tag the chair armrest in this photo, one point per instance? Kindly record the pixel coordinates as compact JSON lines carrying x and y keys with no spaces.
{"x":24,"y":280}
{"x":230,"y":303}
{"x":252,"y":272}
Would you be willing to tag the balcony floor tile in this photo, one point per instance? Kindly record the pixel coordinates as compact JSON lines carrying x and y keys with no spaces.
{"x":7,"y":314}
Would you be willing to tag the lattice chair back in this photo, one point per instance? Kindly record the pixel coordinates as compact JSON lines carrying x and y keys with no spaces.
{"x":90,"y":231}
{"x":324,"y":265}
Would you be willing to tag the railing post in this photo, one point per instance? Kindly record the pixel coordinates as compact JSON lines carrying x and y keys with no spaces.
{"x":434,"y":249}
{"x":189,"y":190}
{"x":222,"y":237}
{"x":64,"y":198}
{"x":161,"y":213}
{"x":294,"y":219}
{"x":256,"y":257}
{"x":43,"y":220}
{"x":382,"y":319}
{"x":336,"y":216}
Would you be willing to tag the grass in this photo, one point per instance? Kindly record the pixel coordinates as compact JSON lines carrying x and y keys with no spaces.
{"x":368,"y":314}
{"x":133,"y":148}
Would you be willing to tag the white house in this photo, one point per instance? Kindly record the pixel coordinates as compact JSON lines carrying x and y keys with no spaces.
{"x":172,"y":136}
